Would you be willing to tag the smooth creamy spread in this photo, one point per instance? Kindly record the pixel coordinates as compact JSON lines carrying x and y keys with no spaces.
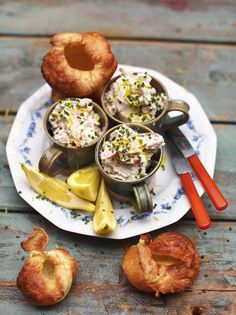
{"x":127,"y":154}
{"x":74,"y":122}
{"x":132,"y":98}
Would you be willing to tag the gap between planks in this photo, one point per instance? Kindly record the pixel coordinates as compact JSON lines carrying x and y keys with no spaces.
{"x":76,"y":287}
{"x":143,"y":39}
{"x":131,"y":39}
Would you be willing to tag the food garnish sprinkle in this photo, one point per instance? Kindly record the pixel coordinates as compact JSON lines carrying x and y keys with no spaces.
{"x":126,"y":154}
{"x":132,"y":98}
{"x":74,"y":123}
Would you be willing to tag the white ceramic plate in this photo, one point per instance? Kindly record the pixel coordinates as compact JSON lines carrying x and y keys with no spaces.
{"x":27,"y":141}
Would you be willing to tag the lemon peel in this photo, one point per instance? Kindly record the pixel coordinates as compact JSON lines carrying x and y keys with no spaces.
{"x":104,"y":220}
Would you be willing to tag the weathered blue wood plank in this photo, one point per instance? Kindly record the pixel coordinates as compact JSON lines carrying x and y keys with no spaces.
{"x":116,"y":301}
{"x":191,"y":20}
{"x":206,"y":70}
{"x":101,"y":286}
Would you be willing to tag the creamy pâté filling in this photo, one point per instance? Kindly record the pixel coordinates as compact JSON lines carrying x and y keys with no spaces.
{"x":74,"y":122}
{"x":127,"y":154}
{"x":132,"y":98}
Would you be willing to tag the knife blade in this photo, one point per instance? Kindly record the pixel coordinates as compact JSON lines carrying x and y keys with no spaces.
{"x":183,"y":170}
{"x":208,"y":183}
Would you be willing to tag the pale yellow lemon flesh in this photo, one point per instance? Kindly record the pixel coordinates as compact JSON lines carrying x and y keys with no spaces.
{"x":104,"y":221}
{"x":55,"y":190}
{"x":85,"y":183}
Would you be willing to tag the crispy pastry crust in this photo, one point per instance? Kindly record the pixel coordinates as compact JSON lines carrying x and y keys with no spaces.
{"x":55,"y":96}
{"x":133,"y":269}
{"x":143,"y":269}
{"x":38,"y":240}
{"x":71,"y":81}
{"x":46,"y":277}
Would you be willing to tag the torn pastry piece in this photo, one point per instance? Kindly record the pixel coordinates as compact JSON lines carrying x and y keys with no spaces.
{"x":38,"y":240}
{"x":78,"y":64}
{"x":46,"y":276}
{"x":167,"y":265}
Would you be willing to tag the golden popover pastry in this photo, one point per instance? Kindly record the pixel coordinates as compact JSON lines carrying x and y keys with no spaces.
{"x":166,"y":265}
{"x":78,"y":64}
{"x":46,"y":276}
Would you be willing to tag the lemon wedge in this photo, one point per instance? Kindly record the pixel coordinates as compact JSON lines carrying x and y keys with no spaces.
{"x":104,"y":221}
{"x":55,"y":190}
{"x":85,"y":182}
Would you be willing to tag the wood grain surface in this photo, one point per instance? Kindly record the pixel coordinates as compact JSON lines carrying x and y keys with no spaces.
{"x":205,"y":70}
{"x":101,"y":286}
{"x":212,"y":20}
{"x":191,"y":42}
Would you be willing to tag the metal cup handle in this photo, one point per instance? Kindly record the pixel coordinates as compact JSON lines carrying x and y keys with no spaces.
{"x":143,"y":199}
{"x":52,"y":161}
{"x":173,"y":122}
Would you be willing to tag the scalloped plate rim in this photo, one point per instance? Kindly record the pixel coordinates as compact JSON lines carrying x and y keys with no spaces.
{"x":167,"y":218}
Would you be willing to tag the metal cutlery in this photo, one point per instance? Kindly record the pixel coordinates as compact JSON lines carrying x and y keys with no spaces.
{"x":183,"y":170}
{"x":208,"y":183}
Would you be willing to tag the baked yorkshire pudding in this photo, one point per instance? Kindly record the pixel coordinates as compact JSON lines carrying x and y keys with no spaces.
{"x":46,"y":277}
{"x":166,"y":265}
{"x":78,"y":64}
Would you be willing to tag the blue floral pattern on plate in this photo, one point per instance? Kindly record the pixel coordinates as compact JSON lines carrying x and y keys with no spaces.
{"x":26,"y":142}
{"x":36,"y":118}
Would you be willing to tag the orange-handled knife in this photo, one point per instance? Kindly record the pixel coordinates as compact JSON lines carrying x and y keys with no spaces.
{"x":208,"y":183}
{"x":183,"y":170}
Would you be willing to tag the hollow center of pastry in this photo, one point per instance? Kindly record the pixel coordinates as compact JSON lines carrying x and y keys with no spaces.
{"x":48,"y":269}
{"x":77,"y":58}
{"x":165,"y":260}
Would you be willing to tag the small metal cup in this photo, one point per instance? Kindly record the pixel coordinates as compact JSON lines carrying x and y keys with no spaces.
{"x":58,"y":157}
{"x":161,"y":122}
{"x":136,"y":191}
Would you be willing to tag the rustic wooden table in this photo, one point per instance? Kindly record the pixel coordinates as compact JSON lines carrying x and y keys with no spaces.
{"x":192,"y":42}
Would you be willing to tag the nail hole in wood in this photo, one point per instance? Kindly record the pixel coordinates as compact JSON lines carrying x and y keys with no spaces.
{"x":197,"y":310}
